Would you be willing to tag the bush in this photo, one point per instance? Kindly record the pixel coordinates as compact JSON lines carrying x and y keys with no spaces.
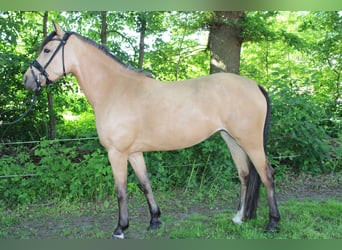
{"x":298,"y":138}
{"x":59,"y":171}
{"x":81,"y":171}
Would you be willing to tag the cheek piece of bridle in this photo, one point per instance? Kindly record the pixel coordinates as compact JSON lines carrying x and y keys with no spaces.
{"x":42,"y":70}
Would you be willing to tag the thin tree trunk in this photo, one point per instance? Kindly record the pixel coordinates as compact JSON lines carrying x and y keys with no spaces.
{"x":180,"y":48}
{"x":143,"y":25}
{"x":103,"y":27}
{"x":52,"y":118}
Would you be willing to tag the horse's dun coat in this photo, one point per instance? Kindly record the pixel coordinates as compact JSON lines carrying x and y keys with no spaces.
{"x":135,"y":113}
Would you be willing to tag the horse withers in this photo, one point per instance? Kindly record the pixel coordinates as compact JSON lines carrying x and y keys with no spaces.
{"x":136,"y":113}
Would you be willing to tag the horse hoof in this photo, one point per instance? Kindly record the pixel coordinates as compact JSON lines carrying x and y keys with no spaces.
{"x":272,"y":228}
{"x":237,"y":220}
{"x":155,"y":225}
{"x":118,"y":236}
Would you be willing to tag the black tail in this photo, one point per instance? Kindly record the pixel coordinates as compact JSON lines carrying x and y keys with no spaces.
{"x":268,"y":115}
{"x":254,"y":182}
{"x":252,"y":192}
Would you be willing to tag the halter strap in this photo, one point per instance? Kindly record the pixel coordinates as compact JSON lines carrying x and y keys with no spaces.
{"x":41,"y":69}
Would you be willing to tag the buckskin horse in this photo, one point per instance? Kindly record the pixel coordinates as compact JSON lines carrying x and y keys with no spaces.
{"x":136,"y":113}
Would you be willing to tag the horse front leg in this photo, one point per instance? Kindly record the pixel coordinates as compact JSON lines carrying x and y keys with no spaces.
{"x":138,"y":164}
{"x":118,"y":162}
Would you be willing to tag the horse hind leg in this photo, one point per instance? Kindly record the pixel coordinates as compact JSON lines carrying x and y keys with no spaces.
{"x":265,"y":171}
{"x":241,"y":161}
{"x":253,"y":168}
{"x":138,"y":164}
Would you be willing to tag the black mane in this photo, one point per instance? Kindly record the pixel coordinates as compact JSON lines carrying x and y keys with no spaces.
{"x":102,"y":48}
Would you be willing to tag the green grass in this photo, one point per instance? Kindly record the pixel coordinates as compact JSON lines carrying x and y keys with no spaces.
{"x":307,"y":219}
{"x":182,"y":219}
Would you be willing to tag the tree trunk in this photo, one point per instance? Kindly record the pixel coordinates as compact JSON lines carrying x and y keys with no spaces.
{"x":52,"y":119}
{"x":143,"y":24}
{"x":103,"y":27}
{"x":225,"y":41}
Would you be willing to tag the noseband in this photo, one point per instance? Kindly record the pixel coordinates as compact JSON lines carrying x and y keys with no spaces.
{"x":42,"y":70}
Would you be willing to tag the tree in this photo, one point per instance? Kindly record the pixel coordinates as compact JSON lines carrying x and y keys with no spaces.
{"x":323,"y":33}
{"x":225,"y":41}
{"x":176,"y":51}
{"x":142,"y":22}
{"x":13,"y":58}
{"x":52,"y":119}
{"x":103,"y":27}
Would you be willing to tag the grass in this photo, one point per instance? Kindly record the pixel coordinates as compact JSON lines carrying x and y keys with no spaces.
{"x":300,"y":220}
{"x":182,"y":218}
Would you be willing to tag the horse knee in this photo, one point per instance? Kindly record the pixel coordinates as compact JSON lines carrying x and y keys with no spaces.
{"x":121,"y":195}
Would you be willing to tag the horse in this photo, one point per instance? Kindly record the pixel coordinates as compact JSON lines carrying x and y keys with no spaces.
{"x":136,"y":113}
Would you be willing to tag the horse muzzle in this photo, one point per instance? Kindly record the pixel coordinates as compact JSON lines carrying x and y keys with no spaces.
{"x":31,"y":83}
{"x":34,"y":80}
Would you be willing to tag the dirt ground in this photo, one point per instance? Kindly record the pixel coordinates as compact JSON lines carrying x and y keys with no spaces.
{"x":308,"y":187}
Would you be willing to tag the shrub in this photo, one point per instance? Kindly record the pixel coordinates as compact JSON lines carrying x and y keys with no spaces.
{"x":298,"y":139}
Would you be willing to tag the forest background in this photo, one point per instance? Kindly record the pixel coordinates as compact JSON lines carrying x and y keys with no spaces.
{"x":296,"y":56}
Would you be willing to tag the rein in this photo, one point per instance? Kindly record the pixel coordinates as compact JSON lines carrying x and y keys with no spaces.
{"x":32,"y":100}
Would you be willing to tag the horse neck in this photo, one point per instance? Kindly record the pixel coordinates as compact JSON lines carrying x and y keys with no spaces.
{"x":95,"y":71}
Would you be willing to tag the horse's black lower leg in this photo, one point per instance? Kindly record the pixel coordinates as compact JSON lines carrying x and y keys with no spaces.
{"x":272,"y":225}
{"x":274,"y":216}
{"x":123,"y":215}
{"x":153,"y":207}
{"x":154,"y":222}
{"x":138,"y":164}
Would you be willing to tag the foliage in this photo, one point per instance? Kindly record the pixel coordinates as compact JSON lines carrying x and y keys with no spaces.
{"x":298,"y":136}
{"x":58,"y":171}
{"x":81,"y":171}
{"x":296,"y":56}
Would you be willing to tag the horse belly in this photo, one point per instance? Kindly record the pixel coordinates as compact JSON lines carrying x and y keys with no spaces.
{"x":178,"y":130}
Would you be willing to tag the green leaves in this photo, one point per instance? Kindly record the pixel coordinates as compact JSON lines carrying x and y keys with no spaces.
{"x":55,"y":171}
{"x":296,"y":131}
{"x":296,"y":56}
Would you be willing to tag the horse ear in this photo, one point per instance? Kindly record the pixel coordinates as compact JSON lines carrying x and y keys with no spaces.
{"x":58,"y":29}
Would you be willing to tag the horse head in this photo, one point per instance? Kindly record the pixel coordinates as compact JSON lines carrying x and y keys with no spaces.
{"x":49,"y":65}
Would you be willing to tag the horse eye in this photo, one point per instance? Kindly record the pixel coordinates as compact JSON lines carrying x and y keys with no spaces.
{"x":46,"y":50}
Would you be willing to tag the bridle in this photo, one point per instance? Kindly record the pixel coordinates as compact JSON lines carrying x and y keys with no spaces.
{"x":42,"y":70}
